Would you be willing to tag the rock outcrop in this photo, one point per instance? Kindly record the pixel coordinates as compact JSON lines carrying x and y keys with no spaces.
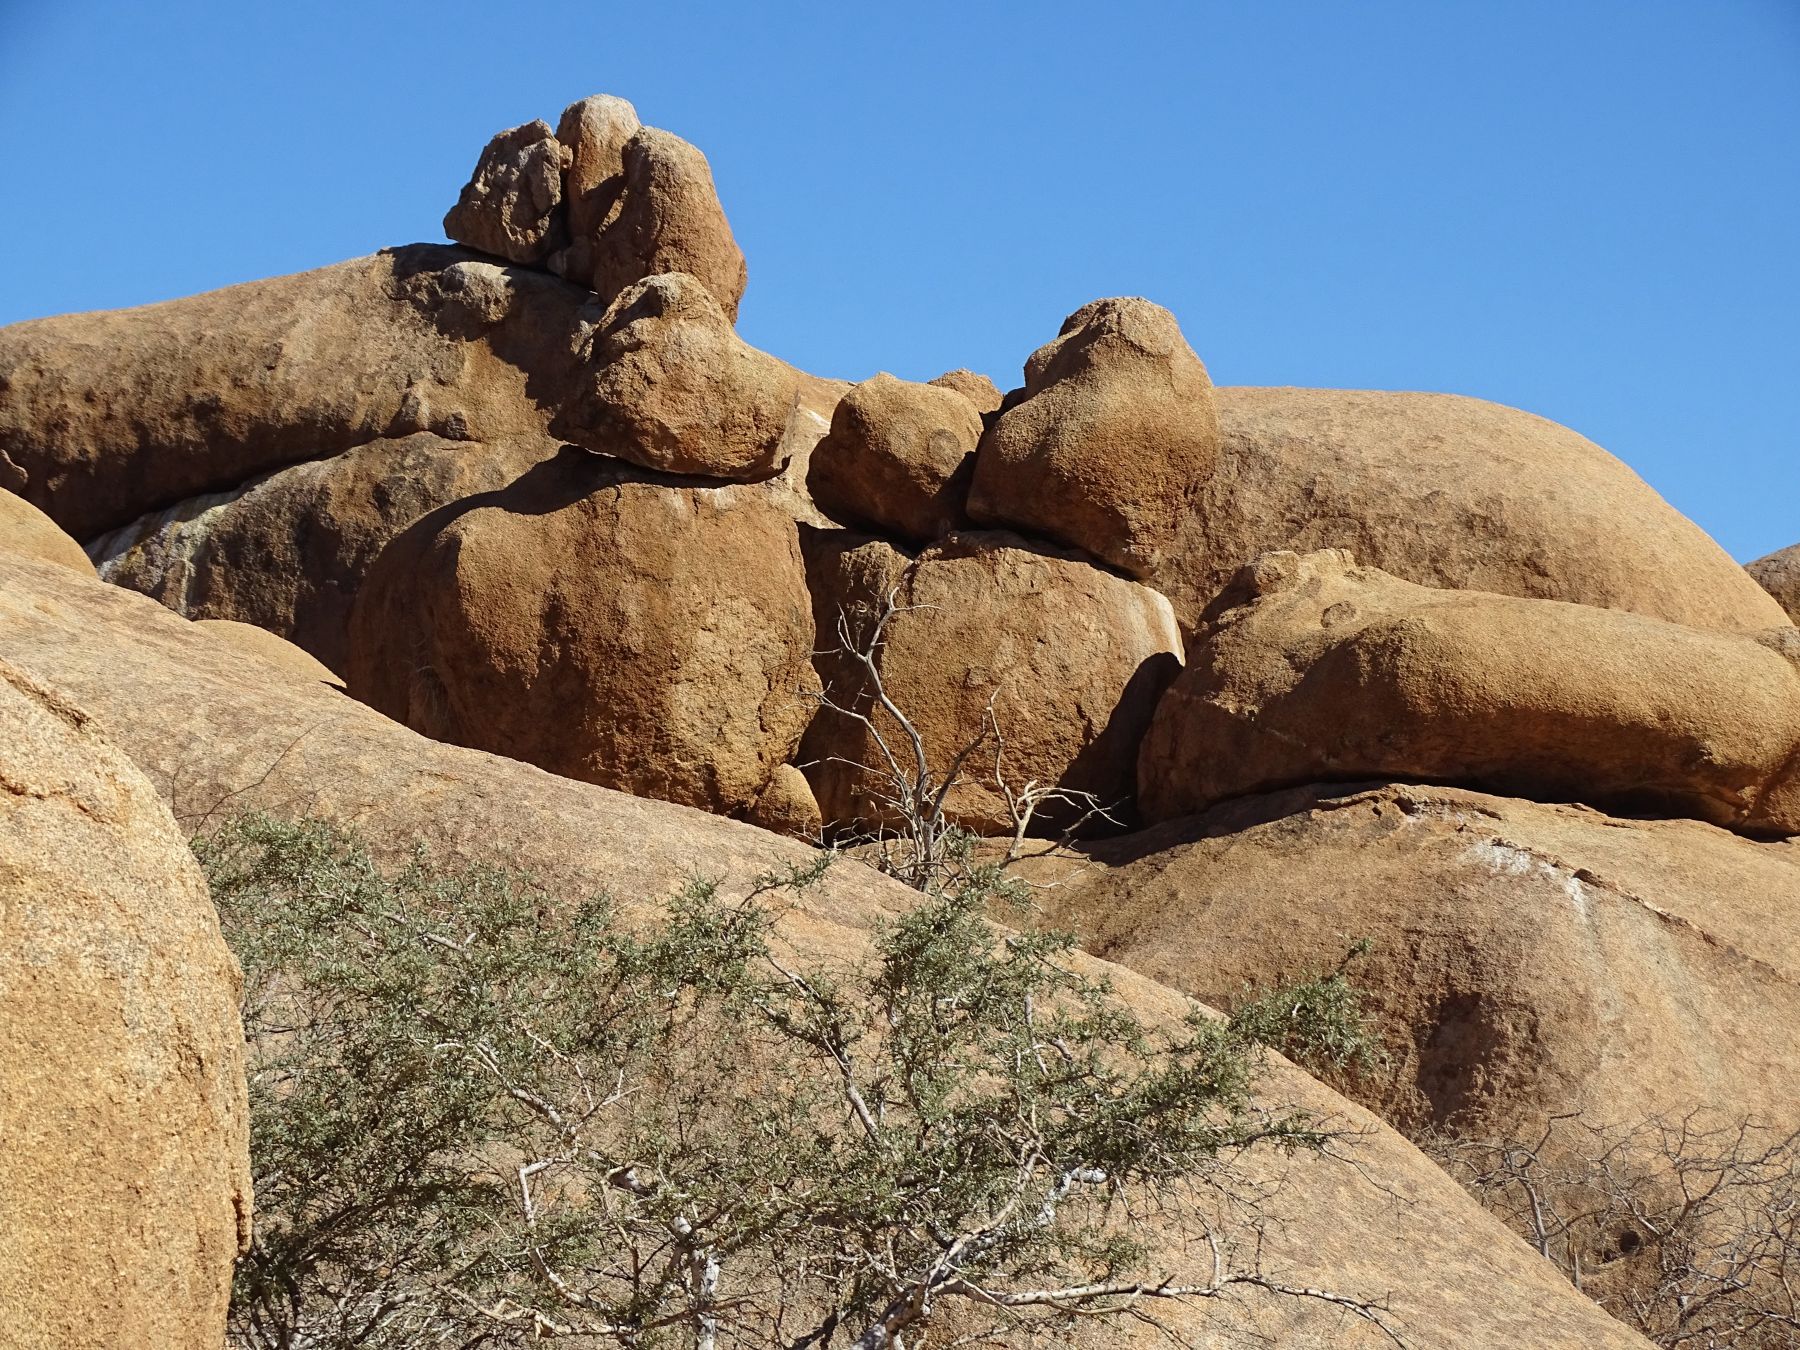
{"x":974,"y":386}
{"x":1452,"y":492}
{"x":1106,"y":444}
{"x":1318,"y":670}
{"x":594,"y":130}
{"x":1525,"y":959}
{"x":898,"y":459}
{"x":107,"y":417}
{"x":1779,"y":575}
{"x":675,"y":389}
{"x":510,"y":206}
{"x":650,"y":638}
{"x":27,"y":530}
{"x":1389,"y":1224}
{"x":1057,"y":663}
{"x":125,"y":1190}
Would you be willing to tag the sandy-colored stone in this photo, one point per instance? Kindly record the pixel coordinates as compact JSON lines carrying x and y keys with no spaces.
{"x":1453,"y":492}
{"x":1779,"y":575}
{"x":1072,"y":658}
{"x":594,"y":130}
{"x":1108,"y":441}
{"x":125,"y":1180}
{"x":288,"y":551}
{"x":898,"y":459}
{"x":675,"y":389}
{"x":668,"y":219}
{"x":264,"y":646}
{"x":1388,"y":1225}
{"x":650,"y":638}
{"x":106,"y":417}
{"x":1319,"y":670}
{"x":27,"y":530}
{"x":511,"y":206}
{"x":974,"y":386}
{"x":787,"y":806}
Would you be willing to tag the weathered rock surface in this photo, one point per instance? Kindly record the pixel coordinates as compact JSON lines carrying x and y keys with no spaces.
{"x":264,"y":646}
{"x":976,"y":387}
{"x":1526,"y":959}
{"x":1391,"y":1225}
{"x":1453,"y":492}
{"x":1114,"y":432}
{"x":288,"y":551}
{"x":510,"y":206}
{"x":668,"y":220}
{"x":594,"y":130}
{"x":1318,"y":670}
{"x":1072,"y":658}
{"x":646,"y":637}
{"x":27,"y":530}
{"x":787,"y":806}
{"x":1779,"y":575}
{"x":898,"y":458}
{"x":674,"y":388}
{"x":125,"y":1187}
{"x":106,"y":417}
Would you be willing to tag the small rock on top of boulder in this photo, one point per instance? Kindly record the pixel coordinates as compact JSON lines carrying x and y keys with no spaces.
{"x":509,"y":207}
{"x":594,"y":132}
{"x":898,"y":457}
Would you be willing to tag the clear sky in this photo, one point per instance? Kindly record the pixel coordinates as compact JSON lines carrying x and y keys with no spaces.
{"x":1587,"y":208}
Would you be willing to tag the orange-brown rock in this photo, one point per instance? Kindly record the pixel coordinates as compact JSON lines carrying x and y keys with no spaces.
{"x":1779,"y":575}
{"x":105,"y":417}
{"x":1114,"y":431}
{"x":787,"y":806}
{"x":511,"y":206}
{"x":27,"y":530}
{"x":1385,"y":1223}
{"x":287,"y":552}
{"x":898,"y":458}
{"x":1453,"y":492}
{"x":674,"y":388}
{"x":646,"y":637}
{"x":1319,"y":670}
{"x":974,"y":386}
{"x":1063,"y":660}
{"x":594,"y":130}
{"x":261,"y":645}
{"x":125,"y":1185}
{"x":1526,"y":959}
{"x":668,"y":220}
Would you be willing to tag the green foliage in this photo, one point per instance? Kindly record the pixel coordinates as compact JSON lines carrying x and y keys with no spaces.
{"x":1316,"y":1022}
{"x":484,"y":1116}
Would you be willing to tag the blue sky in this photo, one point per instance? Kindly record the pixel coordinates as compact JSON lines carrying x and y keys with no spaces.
{"x":1587,"y":208}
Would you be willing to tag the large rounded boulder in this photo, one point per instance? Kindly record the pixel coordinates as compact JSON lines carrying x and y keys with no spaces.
{"x":125,"y":1191}
{"x":1320,"y":670}
{"x":1042,"y":667}
{"x":1109,"y":439}
{"x":1452,"y":492}
{"x":1779,"y":575}
{"x":649,"y":638}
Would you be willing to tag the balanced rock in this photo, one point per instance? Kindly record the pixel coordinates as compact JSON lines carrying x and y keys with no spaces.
{"x":1114,"y":431}
{"x":511,"y":206}
{"x":674,"y":388}
{"x":1318,"y":670}
{"x":125,"y":1192}
{"x":1779,"y":575}
{"x":648,"y":638}
{"x":594,"y":131}
{"x":106,"y":417}
{"x":27,"y":530}
{"x":898,"y":458}
{"x":288,"y":551}
{"x":668,"y":219}
{"x":1054,"y":666}
{"x":1453,"y":492}
{"x":976,"y":387}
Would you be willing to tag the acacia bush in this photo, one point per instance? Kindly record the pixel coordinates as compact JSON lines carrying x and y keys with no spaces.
{"x":483,"y":1115}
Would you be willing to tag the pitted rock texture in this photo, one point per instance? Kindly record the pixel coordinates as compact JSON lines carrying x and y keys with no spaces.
{"x":125,"y":1190}
{"x":510,"y":206}
{"x":898,"y":459}
{"x":1779,"y":575}
{"x":650,"y":638}
{"x":1452,"y":492}
{"x":991,"y":635}
{"x":1319,"y":670}
{"x":1107,"y":443}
